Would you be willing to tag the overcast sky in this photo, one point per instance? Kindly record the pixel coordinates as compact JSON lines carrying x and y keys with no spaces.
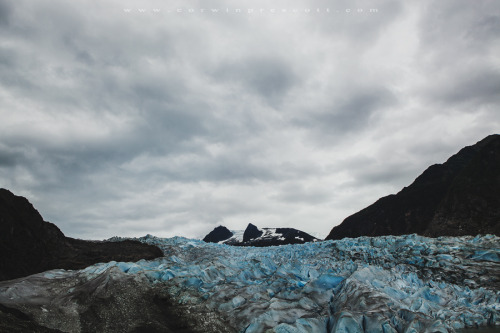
{"x":170,"y":118}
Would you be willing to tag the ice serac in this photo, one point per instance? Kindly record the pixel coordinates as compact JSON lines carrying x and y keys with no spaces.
{"x":382,"y":284}
{"x":29,"y":245}
{"x":458,"y":197}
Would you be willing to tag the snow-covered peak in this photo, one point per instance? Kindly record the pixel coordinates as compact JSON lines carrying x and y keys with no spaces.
{"x":253,"y":236}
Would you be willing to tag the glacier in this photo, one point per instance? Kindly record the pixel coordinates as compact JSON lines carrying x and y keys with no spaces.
{"x":368,"y":284}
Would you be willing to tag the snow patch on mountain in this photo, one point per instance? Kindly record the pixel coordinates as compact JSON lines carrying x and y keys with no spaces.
{"x":237,"y":237}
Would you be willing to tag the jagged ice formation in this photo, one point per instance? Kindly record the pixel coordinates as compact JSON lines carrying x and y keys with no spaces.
{"x":382,"y":284}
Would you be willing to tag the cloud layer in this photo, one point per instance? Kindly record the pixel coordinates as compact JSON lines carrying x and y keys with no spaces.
{"x":156,"y":119}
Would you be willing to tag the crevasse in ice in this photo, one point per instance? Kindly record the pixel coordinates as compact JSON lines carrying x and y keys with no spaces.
{"x":382,"y":284}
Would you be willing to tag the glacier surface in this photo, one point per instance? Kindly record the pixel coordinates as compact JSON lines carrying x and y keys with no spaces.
{"x":381,"y":284}
{"x":385,"y":284}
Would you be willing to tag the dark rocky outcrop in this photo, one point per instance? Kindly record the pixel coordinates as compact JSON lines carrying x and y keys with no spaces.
{"x":218,"y":234}
{"x":29,"y":245}
{"x":251,"y":232}
{"x":458,"y":197}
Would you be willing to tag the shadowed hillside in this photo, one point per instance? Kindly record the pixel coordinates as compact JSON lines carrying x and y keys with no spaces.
{"x":30,"y":245}
{"x":458,"y":197}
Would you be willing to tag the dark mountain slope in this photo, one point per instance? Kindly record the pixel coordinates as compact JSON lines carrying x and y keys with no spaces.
{"x":218,"y":234}
{"x":458,"y":197}
{"x":30,"y":245}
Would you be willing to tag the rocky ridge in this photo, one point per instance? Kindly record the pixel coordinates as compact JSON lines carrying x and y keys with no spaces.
{"x":456,"y":198}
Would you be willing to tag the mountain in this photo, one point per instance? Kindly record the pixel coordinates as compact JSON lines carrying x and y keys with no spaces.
{"x":253,"y":236}
{"x":458,"y":197}
{"x":29,"y":245}
{"x":218,"y":234}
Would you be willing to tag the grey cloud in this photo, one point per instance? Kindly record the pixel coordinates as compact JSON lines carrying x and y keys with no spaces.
{"x":484,"y":29}
{"x":11,"y":65}
{"x":268,"y":77}
{"x":349,"y":113}
{"x":9,"y":157}
{"x":116,"y":124}
{"x":61,"y":34}
{"x":357,"y":109}
{"x":5,"y":11}
{"x":296,"y":193}
{"x":456,"y":44}
{"x":473,"y":87}
{"x":235,"y":168}
{"x":85,"y":58}
{"x":381,"y":169}
{"x":455,"y":26}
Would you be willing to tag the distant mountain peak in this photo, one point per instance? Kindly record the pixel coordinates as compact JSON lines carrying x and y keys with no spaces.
{"x":220,"y":233}
{"x":253,"y":236}
{"x":251,"y":232}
